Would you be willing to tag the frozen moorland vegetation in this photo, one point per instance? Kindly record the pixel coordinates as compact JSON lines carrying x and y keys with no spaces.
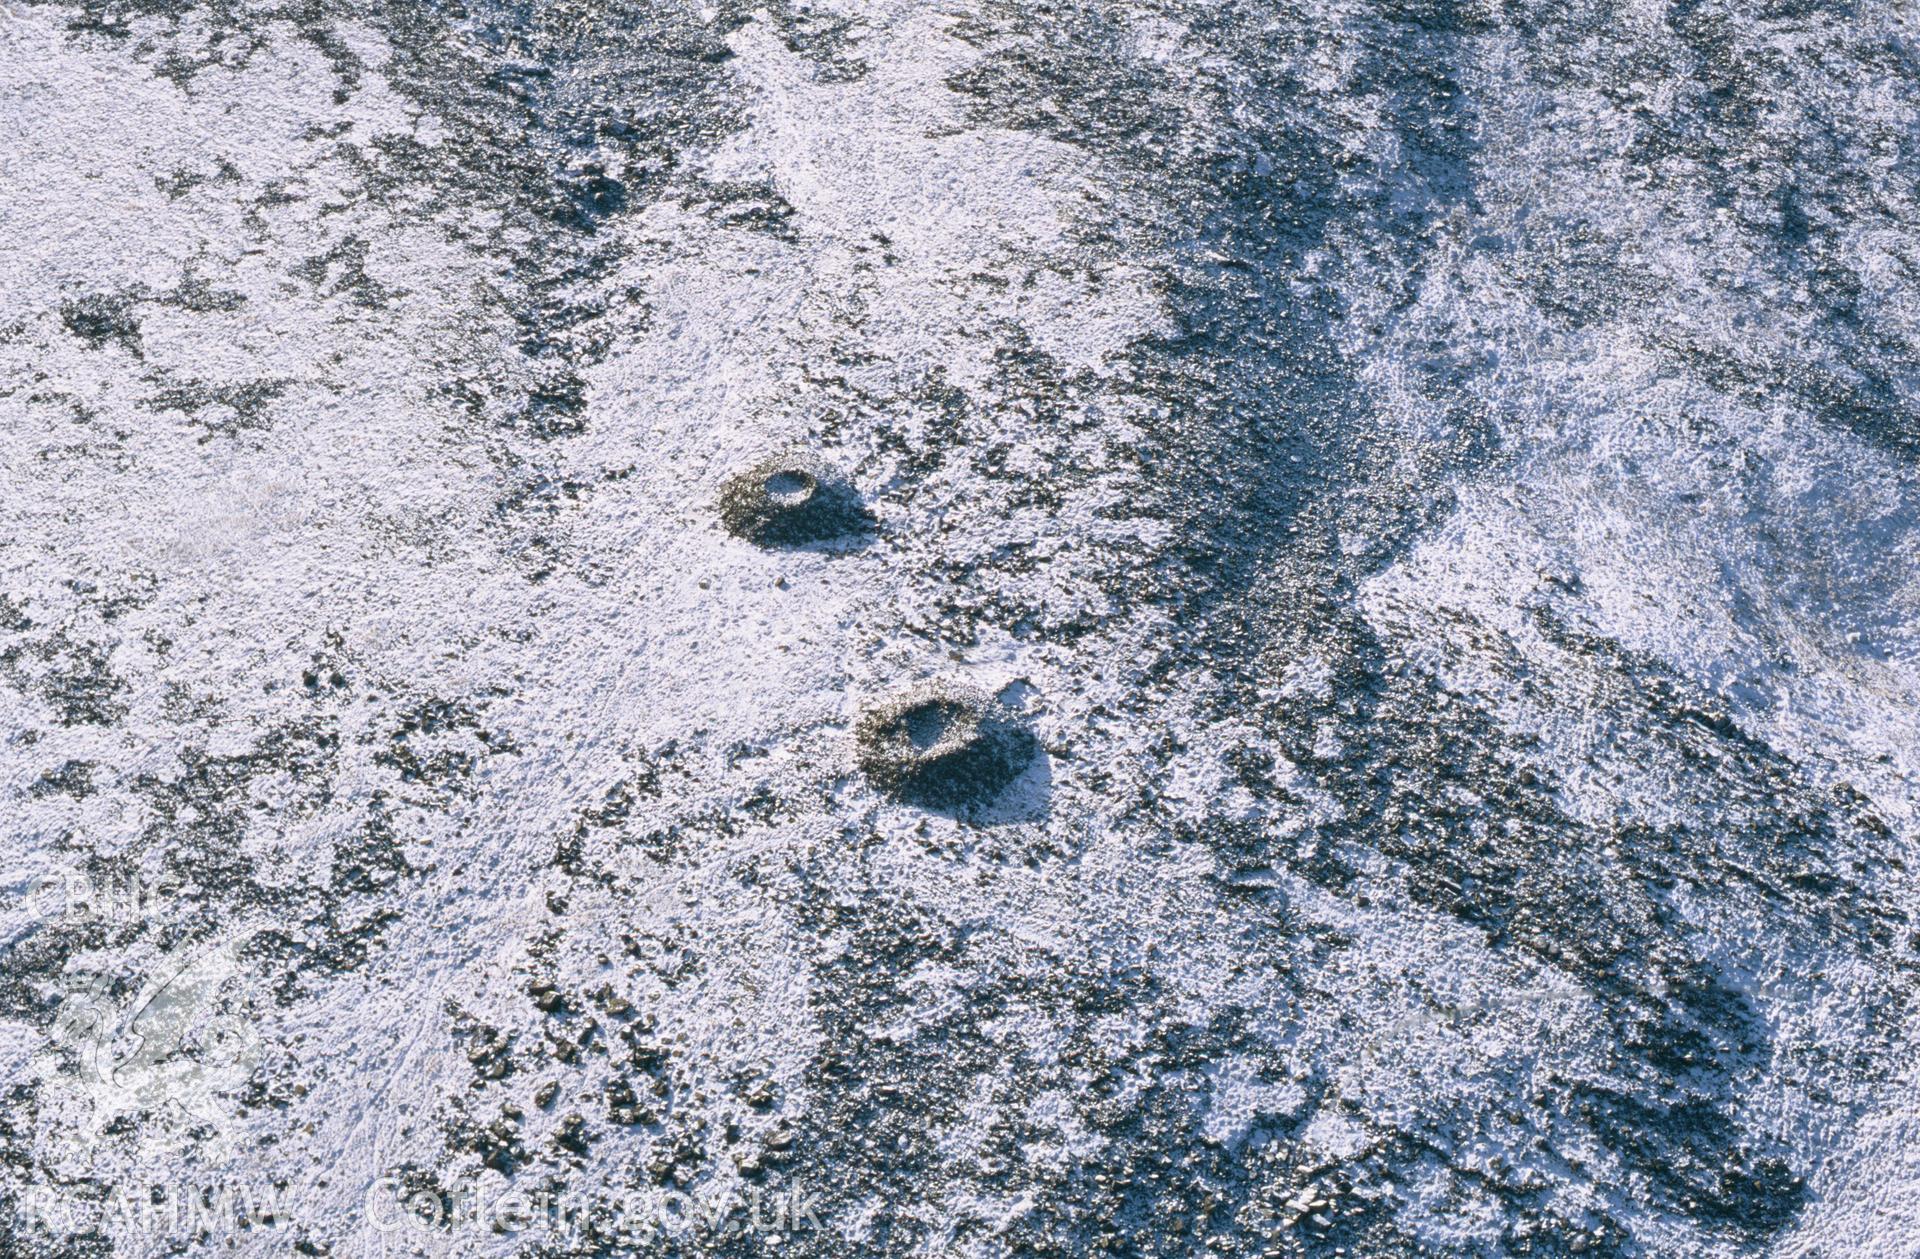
{"x":983,"y":628}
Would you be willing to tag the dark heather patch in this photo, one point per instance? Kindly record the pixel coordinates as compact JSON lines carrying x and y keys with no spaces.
{"x":74,"y":678}
{"x":73,"y":779}
{"x":102,"y":319}
{"x":222,"y":410}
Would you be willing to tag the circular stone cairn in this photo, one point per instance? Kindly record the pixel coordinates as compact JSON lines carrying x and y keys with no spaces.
{"x":790,"y":500}
{"x":941,"y":745}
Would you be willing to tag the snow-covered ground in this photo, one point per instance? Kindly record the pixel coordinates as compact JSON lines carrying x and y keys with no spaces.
{"x":1437,"y":484}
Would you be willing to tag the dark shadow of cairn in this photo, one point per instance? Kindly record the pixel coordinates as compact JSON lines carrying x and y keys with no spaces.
{"x":941,"y":745}
{"x":791,"y":500}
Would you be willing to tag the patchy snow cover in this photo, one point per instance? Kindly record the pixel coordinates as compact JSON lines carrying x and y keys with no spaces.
{"x":1437,"y":486}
